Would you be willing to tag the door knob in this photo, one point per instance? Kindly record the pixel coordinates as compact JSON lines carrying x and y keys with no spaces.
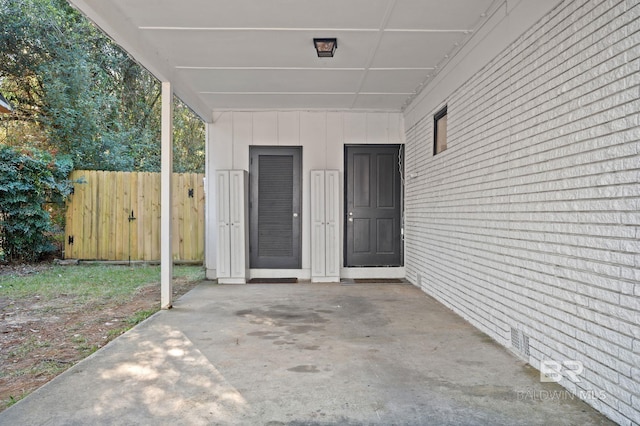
{"x":295,"y":215}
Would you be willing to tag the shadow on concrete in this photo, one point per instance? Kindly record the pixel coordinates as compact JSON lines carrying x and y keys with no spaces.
{"x":306,"y":354}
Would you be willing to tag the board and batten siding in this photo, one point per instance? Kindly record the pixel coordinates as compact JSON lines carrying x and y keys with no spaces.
{"x":528,"y":225}
{"x":322,"y":136}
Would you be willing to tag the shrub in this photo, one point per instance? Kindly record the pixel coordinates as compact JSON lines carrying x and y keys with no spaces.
{"x":28,"y":180}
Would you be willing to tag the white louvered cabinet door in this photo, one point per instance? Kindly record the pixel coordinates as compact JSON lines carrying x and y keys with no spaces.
{"x":325,"y":226}
{"x":231,"y":211}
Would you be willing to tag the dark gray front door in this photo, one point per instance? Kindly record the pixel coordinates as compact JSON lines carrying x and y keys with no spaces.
{"x":372,"y":206}
{"x":275,"y":207}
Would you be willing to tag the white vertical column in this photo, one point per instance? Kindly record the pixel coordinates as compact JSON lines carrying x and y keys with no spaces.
{"x":166,"y":240}
{"x":210,"y":197}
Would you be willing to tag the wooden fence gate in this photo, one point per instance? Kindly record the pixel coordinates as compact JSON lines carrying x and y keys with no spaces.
{"x":116,"y":216}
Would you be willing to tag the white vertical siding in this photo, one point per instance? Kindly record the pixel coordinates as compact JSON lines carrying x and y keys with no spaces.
{"x":322,"y":135}
{"x":531,"y":218}
{"x":289,"y":128}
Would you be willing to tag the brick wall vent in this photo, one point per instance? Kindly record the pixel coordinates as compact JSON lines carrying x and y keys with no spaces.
{"x":520,"y":342}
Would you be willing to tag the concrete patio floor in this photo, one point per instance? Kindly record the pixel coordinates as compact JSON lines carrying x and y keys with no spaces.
{"x":302,"y":354}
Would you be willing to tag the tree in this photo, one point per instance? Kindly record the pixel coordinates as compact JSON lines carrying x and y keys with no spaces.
{"x":78,"y":93}
{"x":188,"y":149}
{"x":51,"y":75}
{"x":80,"y":98}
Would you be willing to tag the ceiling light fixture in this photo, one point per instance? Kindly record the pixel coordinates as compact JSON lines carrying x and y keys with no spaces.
{"x":325,"y":47}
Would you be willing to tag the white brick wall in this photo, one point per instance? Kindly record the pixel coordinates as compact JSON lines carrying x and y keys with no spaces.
{"x":531,"y":218}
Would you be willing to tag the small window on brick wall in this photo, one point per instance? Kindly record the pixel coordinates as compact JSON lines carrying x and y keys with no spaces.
{"x":440,"y":131}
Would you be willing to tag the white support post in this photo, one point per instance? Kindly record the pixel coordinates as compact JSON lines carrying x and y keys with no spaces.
{"x":210,"y":210}
{"x":166,"y":240}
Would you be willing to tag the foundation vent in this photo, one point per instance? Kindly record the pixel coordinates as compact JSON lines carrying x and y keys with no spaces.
{"x":525,"y":344}
{"x":520,"y":342}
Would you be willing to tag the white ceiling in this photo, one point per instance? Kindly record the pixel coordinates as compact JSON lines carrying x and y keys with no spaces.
{"x":255,"y":54}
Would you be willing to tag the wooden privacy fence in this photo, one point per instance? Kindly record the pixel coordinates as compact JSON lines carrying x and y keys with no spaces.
{"x":116,"y":216}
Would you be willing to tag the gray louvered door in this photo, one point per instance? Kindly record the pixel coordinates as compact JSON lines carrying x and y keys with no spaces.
{"x":275,"y":207}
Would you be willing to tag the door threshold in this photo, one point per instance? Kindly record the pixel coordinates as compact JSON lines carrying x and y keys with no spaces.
{"x":388,"y":272}
{"x":273,"y":281}
{"x":366,"y":281}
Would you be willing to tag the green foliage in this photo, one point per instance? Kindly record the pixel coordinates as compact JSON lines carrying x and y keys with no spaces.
{"x":139,"y":316}
{"x":91,"y":283}
{"x":14,"y":399}
{"x":28,"y":180}
{"x":50,"y":73}
{"x":77,"y":93}
{"x":188,"y":135}
{"x":131,"y":322}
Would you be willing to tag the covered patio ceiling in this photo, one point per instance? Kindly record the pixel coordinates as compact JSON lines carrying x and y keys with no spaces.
{"x":259,"y":54}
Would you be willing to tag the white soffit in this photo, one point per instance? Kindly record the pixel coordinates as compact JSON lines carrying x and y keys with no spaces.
{"x":257,"y":54}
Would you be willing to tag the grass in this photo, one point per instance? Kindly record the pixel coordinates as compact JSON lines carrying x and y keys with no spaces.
{"x":73,"y":290}
{"x":45,"y":367}
{"x":138,"y":317}
{"x":89,"y":282}
{"x":13,"y":399}
{"x":83,"y":345}
{"x":130,"y":322}
{"x":27,"y":346}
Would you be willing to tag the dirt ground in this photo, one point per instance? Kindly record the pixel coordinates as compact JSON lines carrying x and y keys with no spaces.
{"x":40,"y":340}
